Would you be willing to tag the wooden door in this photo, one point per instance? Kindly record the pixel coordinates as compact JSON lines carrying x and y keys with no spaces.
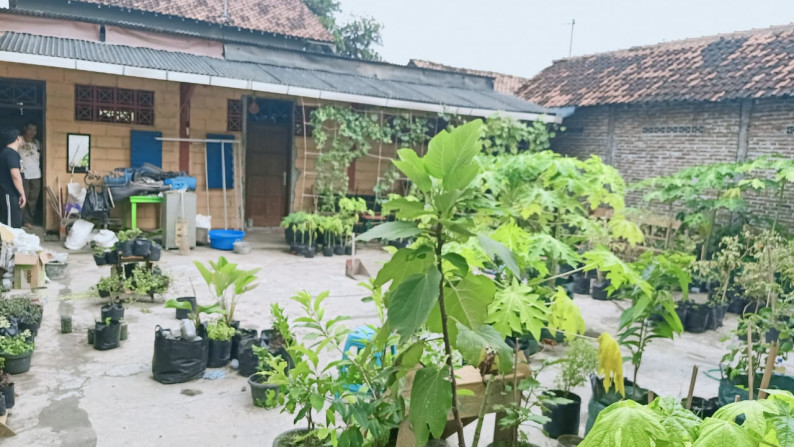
{"x":266,"y":174}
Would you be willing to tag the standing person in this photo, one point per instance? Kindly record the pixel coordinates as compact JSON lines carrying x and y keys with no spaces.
{"x":12,"y":192}
{"x":30,"y":153}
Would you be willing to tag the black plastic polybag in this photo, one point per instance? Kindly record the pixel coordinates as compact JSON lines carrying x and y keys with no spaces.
{"x":178,"y":360}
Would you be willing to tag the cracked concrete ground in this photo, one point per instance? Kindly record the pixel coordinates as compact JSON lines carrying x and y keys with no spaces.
{"x":76,"y":396}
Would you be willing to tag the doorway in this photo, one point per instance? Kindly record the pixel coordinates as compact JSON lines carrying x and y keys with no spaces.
{"x":22,"y":102}
{"x":267,"y":161}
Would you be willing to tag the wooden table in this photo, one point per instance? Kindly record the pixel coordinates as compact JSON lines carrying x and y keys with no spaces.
{"x":469,"y":378}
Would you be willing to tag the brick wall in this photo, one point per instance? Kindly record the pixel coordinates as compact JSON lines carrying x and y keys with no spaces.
{"x":658,"y":139}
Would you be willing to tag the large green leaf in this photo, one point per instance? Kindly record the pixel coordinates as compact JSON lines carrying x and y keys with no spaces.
{"x":754,"y":412}
{"x":721,"y":433}
{"x":450,"y":155}
{"x":498,"y":250}
{"x":782,"y":425}
{"x":431,"y":400}
{"x":516,"y":310}
{"x":565,"y":316}
{"x":626,"y":424}
{"x":474,"y":344}
{"x":467,"y":302}
{"x":414,"y":168}
{"x":405,"y":209}
{"x":390,"y":231}
{"x":411,"y":302}
{"x":681,"y":424}
{"x":404,"y":263}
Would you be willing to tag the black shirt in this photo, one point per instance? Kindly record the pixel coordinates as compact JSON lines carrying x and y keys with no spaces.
{"x":9,"y":159}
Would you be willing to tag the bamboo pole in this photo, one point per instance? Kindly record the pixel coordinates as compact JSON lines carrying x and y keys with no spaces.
{"x":691,"y":387}
{"x":750,"y":375}
{"x":770,"y":366}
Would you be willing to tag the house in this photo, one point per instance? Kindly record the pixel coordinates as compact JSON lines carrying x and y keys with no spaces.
{"x":652,"y":110}
{"x":502,"y":82}
{"x":134,"y":75}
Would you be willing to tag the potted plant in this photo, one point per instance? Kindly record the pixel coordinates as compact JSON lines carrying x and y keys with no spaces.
{"x":264,"y":394}
{"x":228,"y":283}
{"x":141,"y":247}
{"x":125,"y":243}
{"x":107,"y":334}
{"x":350,"y":210}
{"x":6,"y":385}
{"x":220,"y":343}
{"x":22,"y":313}
{"x":100,"y":256}
{"x":16,"y":350}
{"x":181,"y":314}
{"x":581,"y":360}
{"x":112,"y":287}
{"x":146,"y":281}
{"x":310,"y":228}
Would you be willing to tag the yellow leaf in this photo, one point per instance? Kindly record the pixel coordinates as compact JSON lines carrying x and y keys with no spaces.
{"x":610,"y":363}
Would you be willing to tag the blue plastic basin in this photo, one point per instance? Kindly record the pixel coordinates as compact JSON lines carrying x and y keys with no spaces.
{"x":225,"y":239}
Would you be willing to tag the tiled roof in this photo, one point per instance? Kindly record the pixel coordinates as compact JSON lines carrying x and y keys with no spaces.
{"x":504,"y":83}
{"x":272,"y":66}
{"x":749,"y":64}
{"x":287,"y":17}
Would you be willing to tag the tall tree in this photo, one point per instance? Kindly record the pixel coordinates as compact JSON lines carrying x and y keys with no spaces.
{"x":353,"y":39}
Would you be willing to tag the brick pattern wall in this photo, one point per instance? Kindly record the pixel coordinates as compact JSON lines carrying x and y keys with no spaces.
{"x":658,"y":139}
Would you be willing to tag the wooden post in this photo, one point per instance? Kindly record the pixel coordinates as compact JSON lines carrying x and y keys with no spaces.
{"x":770,"y":366}
{"x":750,"y":375}
{"x":185,"y":93}
{"x":691,"y":387}
{"x":651,"y":396}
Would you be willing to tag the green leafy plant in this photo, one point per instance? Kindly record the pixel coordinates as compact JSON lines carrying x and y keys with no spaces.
{"x":227,"y":282}
{"x":214,"y":308}
{"x":219,"y":330}
{"x":113,"y":285}
{"x":146,"y":281}
{"x":16,"y":344}
{"x":502,"y":134}
{"x":581,"y":360}
{"x":21,"y":308}
{"x":128,"y":235}
{"x":666,"y":423}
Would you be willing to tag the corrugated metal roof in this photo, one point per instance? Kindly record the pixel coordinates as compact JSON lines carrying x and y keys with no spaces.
{"x":350,"y":83}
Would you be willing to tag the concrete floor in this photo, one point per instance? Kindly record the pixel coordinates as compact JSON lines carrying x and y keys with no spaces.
{"x":74,"y":395}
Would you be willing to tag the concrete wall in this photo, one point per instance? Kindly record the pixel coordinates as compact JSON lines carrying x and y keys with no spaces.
{"x":110,"y":142}
{"x":648,"y":140}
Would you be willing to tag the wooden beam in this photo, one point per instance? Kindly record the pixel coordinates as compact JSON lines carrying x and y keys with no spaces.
{"x":185,"y":94}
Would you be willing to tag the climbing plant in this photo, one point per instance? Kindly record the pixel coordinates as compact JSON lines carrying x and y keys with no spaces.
{"x":505,"y":134}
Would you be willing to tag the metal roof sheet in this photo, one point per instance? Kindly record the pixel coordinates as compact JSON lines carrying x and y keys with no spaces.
{"x":350,"y":83}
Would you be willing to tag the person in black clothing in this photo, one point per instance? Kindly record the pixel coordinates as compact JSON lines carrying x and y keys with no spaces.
{"x":12,"y":192}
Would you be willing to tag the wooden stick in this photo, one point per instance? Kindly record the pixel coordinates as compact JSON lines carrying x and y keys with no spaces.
{"x":750,"y":375}
{"x":737,"y":398}
{"x":651,"y":396}
{"x":691,"y":387}
{"x":768,"y":369}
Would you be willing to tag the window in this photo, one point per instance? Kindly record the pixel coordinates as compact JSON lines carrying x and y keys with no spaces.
{"x":234,"y":115}
{"x":673,"y":130}
{"x":113,"y":105}
{"x":299,"y":111}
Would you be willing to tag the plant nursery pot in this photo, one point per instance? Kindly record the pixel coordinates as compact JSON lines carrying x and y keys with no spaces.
{"x":103,"y":293}
{"x":239,"y":336}
{"x":737,"y":305}
{"x":8,"y":393}
{"x":581,"y":285}
{"x":17,"y":364}
{"x":66,"y":324}
{"x":681,"y":310}
{"x":91,"y":334}
{"x":259,"y":389}
{"x":141,"y":247}
{"x":348,"y":250}
{"x":569,"y":441}
{"x":564,"y":417}
{"x":328,"y":251}
{"x":711,"y":319}
{"x":219,"y":354}
{"x":2,"y":405}
{"x":247,"y":360}
{"x":155,"y":252}
{"x":112,"y":257}
{"x":600,"y":290}
{"x":339,"y":250}
{"x":113,"y":311}
{"x":123,"y":332}
{"x":100,"y":259}
{"x":124,"y":248}
{"x":696,"y":319}
{"x":181,"y":314}
{"x":26,"y":326}
{"x":310,"y":252}
{"x":300,"y":249}
{"x":601,"y":399}
{"x":730,"y":388}
{"x":107,"y":337}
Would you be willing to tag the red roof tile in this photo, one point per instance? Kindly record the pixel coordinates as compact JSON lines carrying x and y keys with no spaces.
{"x":287,"y":17}
{"x":745,"y":64}
{"x":503,"y":83}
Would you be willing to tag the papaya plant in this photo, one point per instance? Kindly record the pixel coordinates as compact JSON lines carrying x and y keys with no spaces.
{"x":227,"y":282}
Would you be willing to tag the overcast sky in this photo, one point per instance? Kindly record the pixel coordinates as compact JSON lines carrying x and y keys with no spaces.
{"x":524,"y":36}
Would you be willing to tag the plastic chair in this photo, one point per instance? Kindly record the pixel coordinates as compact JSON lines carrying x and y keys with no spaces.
{"x":357,"y":339}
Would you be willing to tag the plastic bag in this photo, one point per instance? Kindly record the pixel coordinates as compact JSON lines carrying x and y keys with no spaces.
{"x":79,"y":235}
{"x":107,"y":336}
{"x":105,"y":238}
{"x":96,"y":204}
{"x":178,"y":360}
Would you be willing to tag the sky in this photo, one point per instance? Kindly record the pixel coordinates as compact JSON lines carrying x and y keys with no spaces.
{"x":522,"y":37}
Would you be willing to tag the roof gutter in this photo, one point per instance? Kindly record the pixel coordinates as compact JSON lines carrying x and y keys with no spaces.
{"x":243,"y":84}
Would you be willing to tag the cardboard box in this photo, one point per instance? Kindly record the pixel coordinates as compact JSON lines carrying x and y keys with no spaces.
{"x":29,"y":270}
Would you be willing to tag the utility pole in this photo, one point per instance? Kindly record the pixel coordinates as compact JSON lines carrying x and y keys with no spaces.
{"x":570,"y":42}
